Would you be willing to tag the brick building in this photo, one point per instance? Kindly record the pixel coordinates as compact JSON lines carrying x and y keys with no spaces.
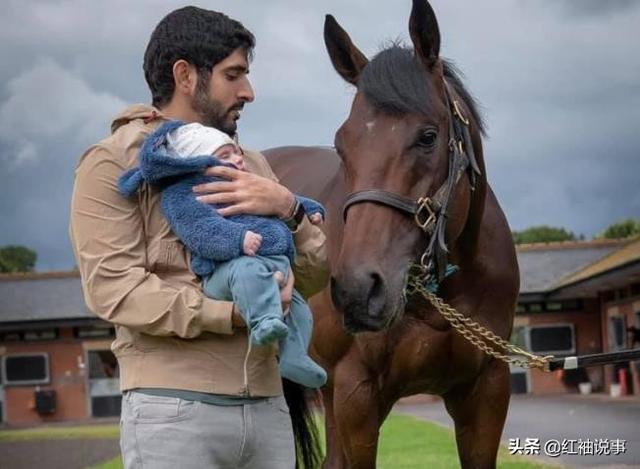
{"x":576,"y":298}
{"x":54,"y":354}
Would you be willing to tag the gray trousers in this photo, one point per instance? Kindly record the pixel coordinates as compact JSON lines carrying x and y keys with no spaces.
{"x":159,"y":432}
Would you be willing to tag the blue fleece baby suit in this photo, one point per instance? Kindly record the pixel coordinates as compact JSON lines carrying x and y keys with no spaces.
{"x":216,"y":241}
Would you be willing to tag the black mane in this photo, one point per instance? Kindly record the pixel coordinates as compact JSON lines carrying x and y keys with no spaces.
{"x":394,"y":82}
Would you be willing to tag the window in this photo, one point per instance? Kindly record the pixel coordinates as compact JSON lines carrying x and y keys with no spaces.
{"x":26,"y":369}
{"x":30,"y":335}
{"x":91,"y":332}
{"x":553,"y":306}
{"x":43,"y":334}
{"x":617,"y":332}
{"x":10,"y":337}
{"x":534,"y":307}
{"x":552,"y":339}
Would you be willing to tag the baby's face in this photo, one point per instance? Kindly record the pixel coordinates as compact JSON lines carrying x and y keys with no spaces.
{"x":230,"y":154}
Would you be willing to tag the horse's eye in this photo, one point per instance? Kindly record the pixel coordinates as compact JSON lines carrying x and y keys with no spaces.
{"x":427,"y":139}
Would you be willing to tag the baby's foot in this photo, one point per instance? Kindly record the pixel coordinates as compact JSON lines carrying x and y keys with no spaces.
{"x":303,"y":370}
{"x":268,"y":330}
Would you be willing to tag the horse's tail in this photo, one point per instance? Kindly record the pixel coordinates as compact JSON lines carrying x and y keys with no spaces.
{"x":305,"y":431}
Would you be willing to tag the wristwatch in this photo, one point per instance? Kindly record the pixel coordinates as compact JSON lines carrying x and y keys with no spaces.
{"x":296,"y":218}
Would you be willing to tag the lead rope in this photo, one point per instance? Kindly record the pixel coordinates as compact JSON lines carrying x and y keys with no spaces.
{"x":479,"y":335}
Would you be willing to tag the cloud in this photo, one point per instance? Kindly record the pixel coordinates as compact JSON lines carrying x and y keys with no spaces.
{"x":585,"y":8}
{"x":48,"y":102}
{"x":560,"y":83}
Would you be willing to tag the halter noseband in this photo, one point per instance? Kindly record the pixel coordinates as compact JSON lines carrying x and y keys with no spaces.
{"x":430,"y":213}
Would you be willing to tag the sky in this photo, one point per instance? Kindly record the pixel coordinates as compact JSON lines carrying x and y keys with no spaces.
{"x":558,"y":81}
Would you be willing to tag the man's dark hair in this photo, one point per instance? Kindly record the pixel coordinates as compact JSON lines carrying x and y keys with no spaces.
{"x":201,"y":37}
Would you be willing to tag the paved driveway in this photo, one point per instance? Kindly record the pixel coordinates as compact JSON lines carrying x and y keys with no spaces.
{"x":570,"y":417}
{"x":57,"y":454}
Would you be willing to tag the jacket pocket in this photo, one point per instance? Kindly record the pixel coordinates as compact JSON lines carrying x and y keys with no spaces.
{"x":160,"y":409}
{"x":171,"y":257}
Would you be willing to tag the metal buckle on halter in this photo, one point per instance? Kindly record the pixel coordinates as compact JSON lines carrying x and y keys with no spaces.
{"x":424,"y":204}
{"x":458,"y":112}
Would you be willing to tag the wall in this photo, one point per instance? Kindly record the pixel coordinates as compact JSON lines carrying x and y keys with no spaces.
{"x":588,"y":339}
{"x":67,"y":379}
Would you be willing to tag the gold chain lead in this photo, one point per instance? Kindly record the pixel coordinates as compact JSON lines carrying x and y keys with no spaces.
{"x":479,"y":335}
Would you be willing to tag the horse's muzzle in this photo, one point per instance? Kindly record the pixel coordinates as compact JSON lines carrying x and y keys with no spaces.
{"x":362,"y":298}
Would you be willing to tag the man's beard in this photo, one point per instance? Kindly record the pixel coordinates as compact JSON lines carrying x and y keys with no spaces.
{"x":212,"y":112}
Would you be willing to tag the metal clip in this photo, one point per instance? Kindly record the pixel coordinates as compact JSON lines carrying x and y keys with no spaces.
{"x":458,"y":112}
{"x":424,"y":204}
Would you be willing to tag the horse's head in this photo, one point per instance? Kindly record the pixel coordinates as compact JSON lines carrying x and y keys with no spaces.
{"x":396,"y":139}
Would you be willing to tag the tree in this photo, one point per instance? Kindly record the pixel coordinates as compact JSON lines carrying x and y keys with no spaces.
{"x":622,"y":229}
{"x":17,"y":259}
{"x":542,"y":234}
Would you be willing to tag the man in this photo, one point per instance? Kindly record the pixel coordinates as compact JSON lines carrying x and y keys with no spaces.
{"x":196,"y":394}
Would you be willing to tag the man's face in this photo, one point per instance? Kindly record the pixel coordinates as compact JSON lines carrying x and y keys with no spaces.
{"x":220,"y":101}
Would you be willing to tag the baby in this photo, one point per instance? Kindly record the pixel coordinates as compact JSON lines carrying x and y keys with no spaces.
{"x":241,"y":258}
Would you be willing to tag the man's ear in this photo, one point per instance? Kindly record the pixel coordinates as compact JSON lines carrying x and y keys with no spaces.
{"x":185,"y":77}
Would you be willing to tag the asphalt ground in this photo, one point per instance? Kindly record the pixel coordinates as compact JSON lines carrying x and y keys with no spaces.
{"x":564,"y":418}
{"x":57,"y":454}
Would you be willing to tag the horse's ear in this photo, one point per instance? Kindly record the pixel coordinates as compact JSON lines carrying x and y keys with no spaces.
{"x":345,"y":56}
{"x":424,"y":31}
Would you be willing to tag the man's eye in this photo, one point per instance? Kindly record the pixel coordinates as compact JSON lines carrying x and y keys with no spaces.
{"x":232,"y":76}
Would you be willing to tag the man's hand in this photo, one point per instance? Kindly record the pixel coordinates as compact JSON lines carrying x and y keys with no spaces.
{"x":245,"y":193}
{"x":252,"y":243}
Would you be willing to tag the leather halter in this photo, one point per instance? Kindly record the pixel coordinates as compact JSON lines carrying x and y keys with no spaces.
{"x":430,"y":213}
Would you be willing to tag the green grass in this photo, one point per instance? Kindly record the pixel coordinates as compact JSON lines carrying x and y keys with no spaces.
{"x":406,"y":443}
{"x":61,"y":433}
{"x":409,"y":443}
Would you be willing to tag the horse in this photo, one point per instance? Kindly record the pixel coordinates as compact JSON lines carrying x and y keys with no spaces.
{"x":414,"y":133}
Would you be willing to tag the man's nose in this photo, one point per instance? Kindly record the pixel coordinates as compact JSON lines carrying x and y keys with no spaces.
{"x":245,"y":93}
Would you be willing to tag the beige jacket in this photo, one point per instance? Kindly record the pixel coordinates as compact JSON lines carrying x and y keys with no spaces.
{"x":135,"y":274}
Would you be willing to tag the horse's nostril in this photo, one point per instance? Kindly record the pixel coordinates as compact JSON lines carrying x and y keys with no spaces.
{"x":376,"y":295}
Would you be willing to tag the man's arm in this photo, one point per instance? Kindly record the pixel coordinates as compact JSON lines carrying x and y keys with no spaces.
{"x":108,"y":237}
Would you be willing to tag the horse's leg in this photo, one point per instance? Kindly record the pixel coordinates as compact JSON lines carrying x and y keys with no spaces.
{"x":335,"y":457}
{"x":359,"y":413}
{"x":479,"y":410}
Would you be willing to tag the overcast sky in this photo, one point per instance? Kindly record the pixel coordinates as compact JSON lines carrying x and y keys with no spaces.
{"x":559,"y":82}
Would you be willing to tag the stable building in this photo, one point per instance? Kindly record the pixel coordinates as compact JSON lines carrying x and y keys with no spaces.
{"x":55,"y":358}
{"x":578,"y":298}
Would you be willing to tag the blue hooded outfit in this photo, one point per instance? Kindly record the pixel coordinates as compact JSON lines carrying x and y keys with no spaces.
{"x":216,"y":246}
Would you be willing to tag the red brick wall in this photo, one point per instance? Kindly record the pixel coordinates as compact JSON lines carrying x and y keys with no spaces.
{"x":588,"y":339}
{"x":67,"y":379}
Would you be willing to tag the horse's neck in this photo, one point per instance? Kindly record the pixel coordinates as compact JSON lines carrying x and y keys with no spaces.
{"x":468,"y":239}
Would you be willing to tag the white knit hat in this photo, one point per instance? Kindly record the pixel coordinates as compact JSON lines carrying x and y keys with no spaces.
{"x":196,"y":140}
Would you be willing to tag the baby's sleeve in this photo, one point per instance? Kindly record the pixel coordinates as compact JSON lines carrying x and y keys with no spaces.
{"x":311,"y":206}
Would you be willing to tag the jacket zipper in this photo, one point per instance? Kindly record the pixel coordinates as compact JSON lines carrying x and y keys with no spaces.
{"x":245,"y":384}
